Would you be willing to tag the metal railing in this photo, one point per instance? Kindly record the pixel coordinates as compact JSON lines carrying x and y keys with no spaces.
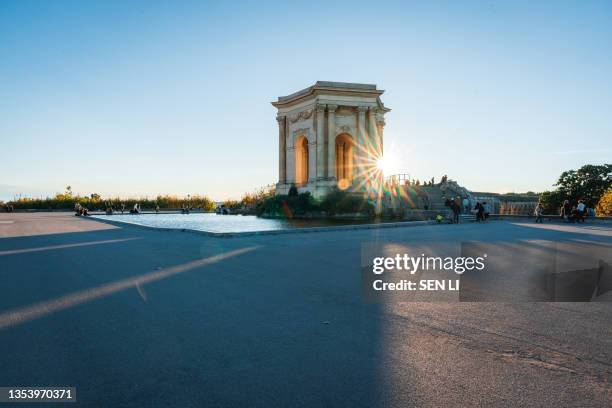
{"x":402,"y":177}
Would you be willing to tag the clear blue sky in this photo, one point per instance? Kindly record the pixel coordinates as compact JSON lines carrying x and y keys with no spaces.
{"x":173,"y":97}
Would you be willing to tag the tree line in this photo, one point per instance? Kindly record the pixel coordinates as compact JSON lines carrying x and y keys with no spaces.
{"x":590,"y":183}
{"x":67,"y":201}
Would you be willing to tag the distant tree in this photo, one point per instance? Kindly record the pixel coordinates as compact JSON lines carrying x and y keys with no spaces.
{"x":604,"y":206}
{"x":95,"y":197}
{"x":68,"y":192}
{"x":587,"y":183}
{"x":232,"y":204}
{"x":552,"y":200}
{"x":252,"y":200}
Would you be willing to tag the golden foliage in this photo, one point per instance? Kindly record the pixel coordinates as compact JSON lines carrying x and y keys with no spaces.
{"x":604,"y":206}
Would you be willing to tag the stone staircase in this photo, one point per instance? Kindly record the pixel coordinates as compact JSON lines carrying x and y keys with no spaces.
{"x":467,"y":218}
{"x":428,"y":198}
{"x":436,"y":202}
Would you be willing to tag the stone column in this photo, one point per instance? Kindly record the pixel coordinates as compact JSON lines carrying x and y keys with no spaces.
{"x":312,"y":160}
{"x":362,"y":147}
{"x":320,"y":171}
{"x":331,"y":141}
{"x":380,"y":124}
{"x":373,"y":144}
{"x":282,"y":149}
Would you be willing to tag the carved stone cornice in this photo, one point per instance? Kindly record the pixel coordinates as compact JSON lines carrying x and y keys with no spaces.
{"x":280,"y":119}
{"x":301,"y":115}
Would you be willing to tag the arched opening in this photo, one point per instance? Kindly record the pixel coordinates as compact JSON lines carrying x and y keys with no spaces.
{"x":344,"y":160}
{"x":301,"y":161}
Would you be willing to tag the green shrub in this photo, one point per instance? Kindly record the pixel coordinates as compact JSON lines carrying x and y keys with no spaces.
{"x":270,"y":206}
{"x":288,"y":205}
{"x":340,"y":202}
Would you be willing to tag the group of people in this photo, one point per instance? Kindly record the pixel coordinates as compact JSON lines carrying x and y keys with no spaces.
{"x":457,"y":205}
{"x":9,"y":208}
{"x":80,"y":211}
{"x":482,"y":211}
{"x":568,"y":212}
{"x":575,"y":213}
{"x":136,"y":210}
{"x":110,"y":209}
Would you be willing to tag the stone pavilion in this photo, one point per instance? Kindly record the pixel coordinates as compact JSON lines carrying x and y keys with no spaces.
{"x":330,"y":136}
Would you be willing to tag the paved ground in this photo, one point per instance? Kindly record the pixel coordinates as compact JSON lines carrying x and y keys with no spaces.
{"x":30,"y":224}
{"x":136,"y":317}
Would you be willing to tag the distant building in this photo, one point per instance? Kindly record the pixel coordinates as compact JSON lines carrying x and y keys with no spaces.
{"x":330,"y":136}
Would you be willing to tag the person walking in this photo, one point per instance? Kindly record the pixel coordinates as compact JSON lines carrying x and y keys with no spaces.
{"x":456,"y":210}
{"x":479,"y":211}
{"x":539,"y":210}
{"x":486,"y":207}
{"x":580,"y":211}
{"x":458,"y":202}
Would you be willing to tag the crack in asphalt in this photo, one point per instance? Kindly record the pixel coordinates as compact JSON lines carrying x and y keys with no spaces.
{"x":539,"y":355}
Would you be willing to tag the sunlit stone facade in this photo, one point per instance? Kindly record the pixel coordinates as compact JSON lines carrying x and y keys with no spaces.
{"x":330,"y":136}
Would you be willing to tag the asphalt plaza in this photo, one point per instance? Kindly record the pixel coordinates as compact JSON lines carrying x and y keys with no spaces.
{"x":135,"y":317}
